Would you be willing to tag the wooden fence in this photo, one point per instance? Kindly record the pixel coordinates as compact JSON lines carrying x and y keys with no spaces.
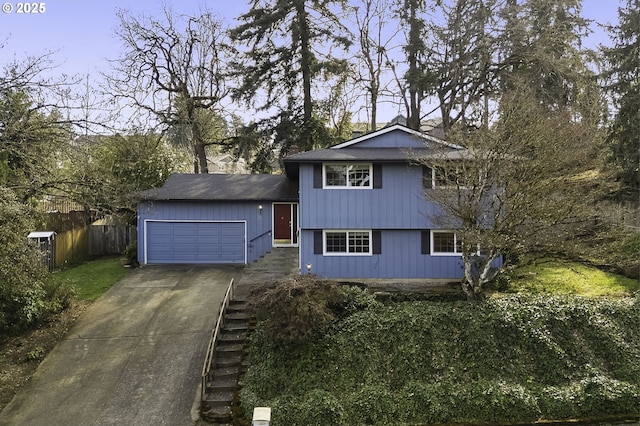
{"x":76,"y":239}
{"x":110,"y":239}
{"x":71,"y":246}
{"x":626,"y":215}
{"x":89,"y":241}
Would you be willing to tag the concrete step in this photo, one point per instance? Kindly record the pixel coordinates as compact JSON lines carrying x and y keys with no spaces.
{"x":217,"y":414}
{"x":228,"y":360}
{"x":238,"y":315}
{"x":225,"y":372}
{"x":230,"y":347}
{"x":236,"y":326}
{"x":218,"y":398}
{"x":227,"y":385}
{"x":236,"y":306}
{"x":231,"y":336}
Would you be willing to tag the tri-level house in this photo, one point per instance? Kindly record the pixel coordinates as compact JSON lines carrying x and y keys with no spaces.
{"x":354,"y":210}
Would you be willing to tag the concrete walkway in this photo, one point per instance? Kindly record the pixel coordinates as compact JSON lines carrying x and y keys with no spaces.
{"x":135,"y":356}
{"x":279,"y":264}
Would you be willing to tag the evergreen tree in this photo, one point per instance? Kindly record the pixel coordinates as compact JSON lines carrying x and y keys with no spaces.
{"x":461,"y":56}
{"x":23,"y":297}
{"x":109,"y":171}
{"x":541,"y":46}
{"x":32,"y":144}
{"x":289,"y":49}
{"x":418,"y":80}
{"x":624,"y":77}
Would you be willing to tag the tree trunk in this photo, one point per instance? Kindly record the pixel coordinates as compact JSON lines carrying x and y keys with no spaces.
{"x":199,"y":147}
{"x":374,"y":109}
{"x":415,"y":90}
{"x":305,"y":59}
{"x":201,"y":156}
{"x":477,"y":272}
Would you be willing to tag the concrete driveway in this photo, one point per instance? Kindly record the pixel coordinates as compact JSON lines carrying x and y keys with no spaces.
{"x":134,"y":357}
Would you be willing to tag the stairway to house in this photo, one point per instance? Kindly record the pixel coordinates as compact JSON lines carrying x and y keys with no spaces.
{"x":279,"y":263}
{"x":224,"y":380}
{"x":229,"y":365}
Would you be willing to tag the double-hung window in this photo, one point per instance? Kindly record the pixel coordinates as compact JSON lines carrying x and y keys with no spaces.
{"x":445,"y":243}
{"x":347,"y":242}
{"x":348,"y":175}
{"x":438,"y":177}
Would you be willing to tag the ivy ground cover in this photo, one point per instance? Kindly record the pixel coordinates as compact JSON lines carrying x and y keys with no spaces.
{"x":510,"y":359}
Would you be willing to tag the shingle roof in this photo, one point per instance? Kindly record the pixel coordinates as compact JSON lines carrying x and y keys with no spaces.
{"x":222,"y":187}
{"x":361,"y":154}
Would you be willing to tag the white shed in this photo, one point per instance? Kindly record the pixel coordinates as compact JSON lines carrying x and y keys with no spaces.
{"x":45,"y":241}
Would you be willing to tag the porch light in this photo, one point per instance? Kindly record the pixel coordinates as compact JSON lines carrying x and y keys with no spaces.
{"x":309,"y":267}
{"x":260,"y":208}
{"x":261,"y":416}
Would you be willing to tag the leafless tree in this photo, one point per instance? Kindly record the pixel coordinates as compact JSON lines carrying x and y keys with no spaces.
{"x":174,"y":72}
{"x":519,"y":186}
{"x":373,"y":23}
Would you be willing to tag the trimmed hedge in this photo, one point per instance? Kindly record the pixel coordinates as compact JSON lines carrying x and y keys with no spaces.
{"x":510,"y":359}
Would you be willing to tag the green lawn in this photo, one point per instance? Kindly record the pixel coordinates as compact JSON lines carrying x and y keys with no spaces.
{"x":91,"y":279}
{"x":553,"y":276}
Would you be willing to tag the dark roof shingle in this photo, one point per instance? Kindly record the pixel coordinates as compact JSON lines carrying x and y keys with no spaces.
{"x":223,"y":187}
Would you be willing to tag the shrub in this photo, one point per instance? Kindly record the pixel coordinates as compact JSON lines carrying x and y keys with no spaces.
{"x":321,"y":408}
{"x":23,"y":297}
{"x":297,"y":309}
{"x":355,"y":299}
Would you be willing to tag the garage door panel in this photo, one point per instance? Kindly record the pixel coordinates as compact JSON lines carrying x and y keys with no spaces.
{"x":209,"y":232}
{"x":185,"y":239}
{"x":232,"y":231}
{"x":195,"y":242}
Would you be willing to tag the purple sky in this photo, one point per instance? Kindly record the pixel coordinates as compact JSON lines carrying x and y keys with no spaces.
{"x":82,"y":31}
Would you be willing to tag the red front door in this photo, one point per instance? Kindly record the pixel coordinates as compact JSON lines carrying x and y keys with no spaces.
{"x":282,"y":222}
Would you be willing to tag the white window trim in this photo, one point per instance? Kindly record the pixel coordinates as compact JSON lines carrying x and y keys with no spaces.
{"x":434,"y":181}
{"x":455,"y":243}
{"x":444,"y":253}
{"x":324,"y":176}
{"x":346,"y":231}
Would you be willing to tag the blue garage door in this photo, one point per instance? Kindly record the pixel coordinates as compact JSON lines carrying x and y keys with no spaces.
{"x":195,"y":242}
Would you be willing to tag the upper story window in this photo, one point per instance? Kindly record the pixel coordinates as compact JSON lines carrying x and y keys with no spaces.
{"x":348,"y":176}
{"x":437,"y":177}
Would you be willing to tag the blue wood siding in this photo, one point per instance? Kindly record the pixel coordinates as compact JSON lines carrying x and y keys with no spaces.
{"x":399,"y":209}
{"x":400,"y":258}
{"x":392,"y":139}
{"x":399,"y":204}
{"x":258,"y":222}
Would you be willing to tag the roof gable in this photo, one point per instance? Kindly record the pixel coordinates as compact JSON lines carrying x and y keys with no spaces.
{"x":396,"y":143}
{"x":395,"y":136}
